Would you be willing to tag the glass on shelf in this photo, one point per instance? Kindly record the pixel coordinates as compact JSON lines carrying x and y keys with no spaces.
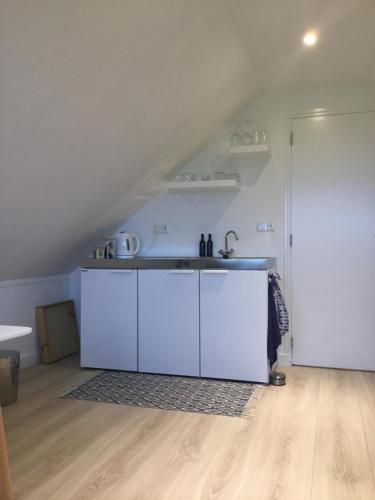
{"x":220,"y":176}
{"x":247,"y":139}
{"x":185,"y":177}
{"x":260,"y":137}
{"x":256,"y":136}
{"x":236,"y":139}
{"x":234,"y":175}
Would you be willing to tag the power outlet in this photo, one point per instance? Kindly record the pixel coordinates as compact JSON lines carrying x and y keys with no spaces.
{"x":161,"y":229}
{"x":265,"y":227}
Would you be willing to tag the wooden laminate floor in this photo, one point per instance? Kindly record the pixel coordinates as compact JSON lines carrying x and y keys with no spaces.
{"x":312,"y":439}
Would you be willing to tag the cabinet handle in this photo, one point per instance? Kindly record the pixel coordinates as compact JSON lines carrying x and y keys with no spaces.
{"x":124,"y":271}
{"x":182,"y":271}
{"x":215,"y":271}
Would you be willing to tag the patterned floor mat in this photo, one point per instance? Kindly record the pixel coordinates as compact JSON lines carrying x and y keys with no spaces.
{"x":167,"y":392}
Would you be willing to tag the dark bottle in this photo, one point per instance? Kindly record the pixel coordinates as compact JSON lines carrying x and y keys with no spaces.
{"x":209,"y":246}
{"x":108,"y":250}
{"x":202,"y":247}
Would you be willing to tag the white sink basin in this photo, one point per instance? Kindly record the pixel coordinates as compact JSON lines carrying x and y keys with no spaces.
{"x":12,"y":332}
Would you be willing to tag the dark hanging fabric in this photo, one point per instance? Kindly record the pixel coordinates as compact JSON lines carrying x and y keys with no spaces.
{"x":274,"y":336}
{"x":281,"y":309}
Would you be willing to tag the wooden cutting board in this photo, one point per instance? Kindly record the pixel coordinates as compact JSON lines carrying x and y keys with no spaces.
{"x":57,"y":330}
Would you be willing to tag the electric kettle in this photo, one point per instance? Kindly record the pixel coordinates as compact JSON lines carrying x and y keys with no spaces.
{"x":127,"y":245}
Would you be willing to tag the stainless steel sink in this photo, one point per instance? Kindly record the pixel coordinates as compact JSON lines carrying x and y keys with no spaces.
{"x":244,"y":263}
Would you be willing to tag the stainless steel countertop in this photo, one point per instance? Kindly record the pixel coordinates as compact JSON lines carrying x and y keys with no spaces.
{"x":234,"y":263}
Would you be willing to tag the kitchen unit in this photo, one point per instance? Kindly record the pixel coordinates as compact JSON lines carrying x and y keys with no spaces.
{"x":181,"y":316}
{"x":168,"y":321}
{"x":233,"y":324}
{"x":109,"y":331}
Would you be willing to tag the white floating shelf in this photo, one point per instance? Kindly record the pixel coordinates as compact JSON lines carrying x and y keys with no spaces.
{"x":251,"y":151}
{"x":214,"y":185}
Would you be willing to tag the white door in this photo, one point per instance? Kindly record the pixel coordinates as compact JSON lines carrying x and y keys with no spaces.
{"x":169,"y":321}
{"x":233,"y":306}
{"x":333,"y":252}
{"x":109,"y":319}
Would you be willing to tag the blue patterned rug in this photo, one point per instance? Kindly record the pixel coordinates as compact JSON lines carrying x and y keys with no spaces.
{"x":166,"y":392}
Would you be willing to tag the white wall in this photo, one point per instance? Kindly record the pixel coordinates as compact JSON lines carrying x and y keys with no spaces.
{"x":18,"y":299}
{"x":262,"y":198}
{"x":263,"y":194}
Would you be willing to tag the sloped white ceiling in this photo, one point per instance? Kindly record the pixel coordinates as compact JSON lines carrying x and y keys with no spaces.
{"x":98,"y":99}
{"x":95,"y":94}
{"x":273,"y":30}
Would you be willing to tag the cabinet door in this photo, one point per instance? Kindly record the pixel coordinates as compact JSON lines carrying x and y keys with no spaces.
{"x":233,"y":318}
{"x":109,"y":319}
{"x":169,"y":321}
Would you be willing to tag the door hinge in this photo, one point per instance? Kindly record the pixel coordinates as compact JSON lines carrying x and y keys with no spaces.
{"x":291,"y":138}
{"x":290,"y":240}
{"x":291,"y":342}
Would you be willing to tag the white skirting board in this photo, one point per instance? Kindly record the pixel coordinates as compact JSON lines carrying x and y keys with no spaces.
{"x":29,"y":359}
{"x":284,"y":359}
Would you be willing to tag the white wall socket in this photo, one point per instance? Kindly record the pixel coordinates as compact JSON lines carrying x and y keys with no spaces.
{"x":264,"y":227}
{"x":161,"y":229}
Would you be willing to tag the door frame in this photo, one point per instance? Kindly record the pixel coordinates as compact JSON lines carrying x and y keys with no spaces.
{"x":307,"y":113}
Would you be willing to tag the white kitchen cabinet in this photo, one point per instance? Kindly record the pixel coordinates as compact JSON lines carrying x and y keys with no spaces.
{"x":168,"y":328}
{"x":233,"y":321}
{"x":109,"y":319}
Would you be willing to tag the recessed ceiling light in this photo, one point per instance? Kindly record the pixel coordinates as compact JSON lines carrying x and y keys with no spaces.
{"x":310,"y":38}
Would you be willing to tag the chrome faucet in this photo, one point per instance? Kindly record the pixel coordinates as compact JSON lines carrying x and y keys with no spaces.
{"x":228,"y":252}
